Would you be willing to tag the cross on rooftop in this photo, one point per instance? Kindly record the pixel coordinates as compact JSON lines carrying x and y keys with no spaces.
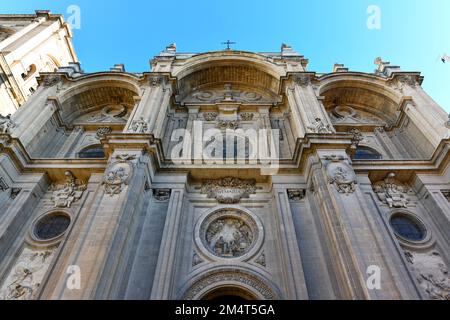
{"x":228,"y":43}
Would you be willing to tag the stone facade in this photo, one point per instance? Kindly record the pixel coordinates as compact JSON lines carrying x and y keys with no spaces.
{"x":30,"y":44}
{"x":101,"y":176}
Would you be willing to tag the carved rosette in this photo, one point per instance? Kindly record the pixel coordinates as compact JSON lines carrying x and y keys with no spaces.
{"x":228,"y":190}
{"x":340,"y":174}
{"x":118,"y":174}
{"x":392,"y":192}
{"x":69,"y":192}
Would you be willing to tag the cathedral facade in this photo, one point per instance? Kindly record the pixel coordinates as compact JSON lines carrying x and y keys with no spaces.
{"x":226,"y":173}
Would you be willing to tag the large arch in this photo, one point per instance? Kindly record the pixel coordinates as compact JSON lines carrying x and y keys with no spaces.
{"x":235,"y":68}
{"x":367,"y":93}
{"x":92,"y":93}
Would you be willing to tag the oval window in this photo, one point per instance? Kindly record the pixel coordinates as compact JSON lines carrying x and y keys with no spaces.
{"x":51,"y":226}
{"x":408,"y":227}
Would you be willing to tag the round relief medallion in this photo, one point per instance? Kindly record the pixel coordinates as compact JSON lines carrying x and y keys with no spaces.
{"x":229,"y":233}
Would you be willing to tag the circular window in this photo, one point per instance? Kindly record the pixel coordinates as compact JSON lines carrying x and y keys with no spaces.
{"x":407,"y":227}
{"x":51,"y":226}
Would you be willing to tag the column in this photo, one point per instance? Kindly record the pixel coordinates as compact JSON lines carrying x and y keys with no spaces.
{"x":291,"y":260}
{"x":165,"y":269}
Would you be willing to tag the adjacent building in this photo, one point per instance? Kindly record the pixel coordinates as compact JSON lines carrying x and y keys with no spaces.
{"x":29,"y":44}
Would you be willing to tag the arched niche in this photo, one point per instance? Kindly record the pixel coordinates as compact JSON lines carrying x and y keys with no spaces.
{"x":359,"y":100}
{"x":103,"y":99}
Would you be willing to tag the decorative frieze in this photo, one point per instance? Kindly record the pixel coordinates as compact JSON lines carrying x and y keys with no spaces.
{"x":228,"y":190}
{"x":392,"y":192}
{"x":65,"y":194}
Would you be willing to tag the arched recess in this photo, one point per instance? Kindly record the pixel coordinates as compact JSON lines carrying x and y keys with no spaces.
{"x":248,"y":71}
{"x":367,"y":94}
{"x":97,"y":92}
{"x":254,"y":284}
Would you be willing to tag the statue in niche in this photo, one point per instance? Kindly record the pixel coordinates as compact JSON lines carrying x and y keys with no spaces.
{"x":71,"y":191}
{"x":319,"y":127}
{"x":6,"y":124}
{"x":229,"y":237}
{"x":391,"y":192}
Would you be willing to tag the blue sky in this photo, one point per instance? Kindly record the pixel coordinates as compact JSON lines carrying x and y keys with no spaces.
{"x":413,"y":33}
